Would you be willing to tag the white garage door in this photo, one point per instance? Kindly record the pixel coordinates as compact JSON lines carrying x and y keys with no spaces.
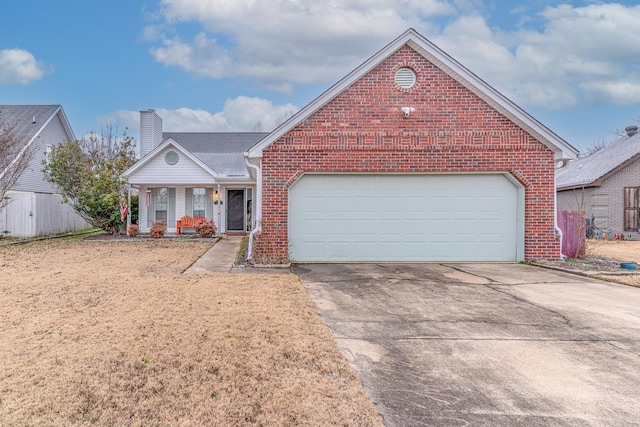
{"x":448,"y":217}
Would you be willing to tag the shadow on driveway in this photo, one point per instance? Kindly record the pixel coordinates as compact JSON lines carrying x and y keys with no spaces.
{"x":484,"y":344}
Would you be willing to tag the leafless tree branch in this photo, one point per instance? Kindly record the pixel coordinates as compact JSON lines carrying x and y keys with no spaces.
{"x":15,"y":156}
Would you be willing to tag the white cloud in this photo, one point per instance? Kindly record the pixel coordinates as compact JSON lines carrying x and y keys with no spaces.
{"x":203,"y":57}
{"x":615,"y":92}
{"x":580,"y":54}
{"x":556,"y":58}
{"x":238,"y":114}
{"x":288,"y":42}
{"x":20,"y":66}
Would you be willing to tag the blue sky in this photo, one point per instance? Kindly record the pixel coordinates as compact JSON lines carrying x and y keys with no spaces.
{"x":242,"y":65}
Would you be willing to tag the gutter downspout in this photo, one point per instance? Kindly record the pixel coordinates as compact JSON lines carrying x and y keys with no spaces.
{"x":219,"y":207}
{"x":258,"y":207}
{"x":555,"y":216}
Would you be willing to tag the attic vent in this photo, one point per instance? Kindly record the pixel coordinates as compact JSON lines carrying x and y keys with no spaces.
{"x":631,"y":130}
{"x":405,"y":78}
{"x":171,"y":157}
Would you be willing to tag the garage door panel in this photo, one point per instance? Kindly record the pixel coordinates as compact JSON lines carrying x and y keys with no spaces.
{"x":403,"y":218}
{"x":315,"y":204}
{"x":340,"y":227}
{"x":414,"y":204}
{"x":317,"y":227}
{"x":364,"y":227}
{"x":440,"y":205}
{"x":366,"y":204}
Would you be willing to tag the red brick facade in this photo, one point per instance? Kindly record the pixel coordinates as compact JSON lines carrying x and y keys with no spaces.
{"x":451,"y":130}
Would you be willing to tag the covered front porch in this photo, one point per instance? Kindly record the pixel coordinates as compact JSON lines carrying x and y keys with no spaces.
{"x":229,"y":206}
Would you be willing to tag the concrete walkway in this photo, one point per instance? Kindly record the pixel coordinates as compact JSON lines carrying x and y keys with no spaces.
{"x":222,"y":255}
{"x":218,"y":259}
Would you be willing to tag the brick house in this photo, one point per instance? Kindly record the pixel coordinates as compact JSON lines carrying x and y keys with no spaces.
{"x":410,"y":157}
{"x":605,"y":185}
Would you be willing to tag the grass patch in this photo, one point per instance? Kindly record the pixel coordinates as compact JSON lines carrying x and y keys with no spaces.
{"x":240,"y":255}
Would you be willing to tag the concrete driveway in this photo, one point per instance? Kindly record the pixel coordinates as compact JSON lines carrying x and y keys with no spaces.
{"x":484,"y":344}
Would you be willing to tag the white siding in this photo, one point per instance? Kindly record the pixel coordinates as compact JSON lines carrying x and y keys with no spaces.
{"x":32,"y":178}
{"x":158,"y":172}
{"x":142,"y":210}
{"x":150,"y":131}
{"x":38,"y":214}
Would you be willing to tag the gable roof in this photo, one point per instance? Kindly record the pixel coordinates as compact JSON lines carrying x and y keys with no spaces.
{"x":561,"y":148}
{"x":219,"y":153}
{"x":29,"y":120}
{"x":591,"y":170}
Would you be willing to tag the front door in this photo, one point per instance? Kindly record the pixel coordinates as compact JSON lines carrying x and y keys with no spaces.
{"x":235,"y":210}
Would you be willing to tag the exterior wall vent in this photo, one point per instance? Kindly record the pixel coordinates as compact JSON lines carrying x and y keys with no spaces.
{"x":631,"y":130}
{"x":171,"y":157}
{"x":405,"y":78}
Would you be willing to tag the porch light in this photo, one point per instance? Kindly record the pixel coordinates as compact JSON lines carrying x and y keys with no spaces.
{"x":216,"y":198}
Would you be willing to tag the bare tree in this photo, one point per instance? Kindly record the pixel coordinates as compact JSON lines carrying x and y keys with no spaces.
{"x":283,"y":118}
{"x":595,"y":146}
{"x":15,"y":156}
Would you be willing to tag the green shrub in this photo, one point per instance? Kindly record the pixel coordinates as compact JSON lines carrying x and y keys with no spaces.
{"x":134,"y":208}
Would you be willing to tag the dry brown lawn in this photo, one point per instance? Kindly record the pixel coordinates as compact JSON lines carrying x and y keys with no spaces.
{"x":622,"y":250}
{"x":112,"y":333}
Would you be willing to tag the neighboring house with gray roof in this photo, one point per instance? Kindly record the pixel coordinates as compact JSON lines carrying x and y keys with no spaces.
{"x":195,"y":174}
{"x":35,"y":209}
{"x":605,"y":185}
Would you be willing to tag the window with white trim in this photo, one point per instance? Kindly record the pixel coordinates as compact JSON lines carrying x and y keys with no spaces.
{"x":47,"y":153}
{"x":199,"y":202}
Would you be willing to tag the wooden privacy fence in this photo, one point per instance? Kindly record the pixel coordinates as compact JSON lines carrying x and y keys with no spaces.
{"x":573,"y":224}
{"x":38,"y":214}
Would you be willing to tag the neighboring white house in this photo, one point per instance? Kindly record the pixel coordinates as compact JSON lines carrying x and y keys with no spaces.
{"x":35,"y":209}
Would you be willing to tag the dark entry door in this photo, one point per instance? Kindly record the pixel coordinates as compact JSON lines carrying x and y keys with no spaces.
{"x":235,"y":210}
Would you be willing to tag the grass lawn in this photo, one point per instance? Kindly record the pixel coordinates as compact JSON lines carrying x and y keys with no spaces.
{"x":622,"y":250}
{"x":112,"y":333}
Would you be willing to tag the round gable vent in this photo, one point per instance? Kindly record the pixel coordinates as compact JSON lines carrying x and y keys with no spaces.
{"x":405,"y":78}
{"x":171,"y":157}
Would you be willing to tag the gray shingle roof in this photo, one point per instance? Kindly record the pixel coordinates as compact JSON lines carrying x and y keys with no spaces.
{"x":586,"y":171}
{"x":221,"y":151}
{"x":215,"y":142}
{"x":21,"y":118}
